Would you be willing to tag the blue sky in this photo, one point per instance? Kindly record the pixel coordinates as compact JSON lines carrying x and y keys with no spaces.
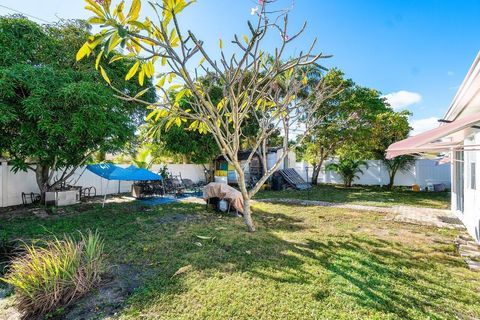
{"x":416,"y":52}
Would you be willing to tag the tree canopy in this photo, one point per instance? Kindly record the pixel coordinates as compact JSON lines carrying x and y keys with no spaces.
{"x":388,"y":128}
{"x":55,"y":112}
{"x":348,"y":120}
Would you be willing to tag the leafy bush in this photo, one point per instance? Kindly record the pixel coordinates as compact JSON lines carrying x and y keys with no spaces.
{"x":163,"y":171}
{"x":53,"y":276}
{"x":348,"y":169}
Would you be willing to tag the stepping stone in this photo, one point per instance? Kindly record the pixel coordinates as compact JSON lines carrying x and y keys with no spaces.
{"x":474,"y":265}
{"x":470,"y":247}
{"x":465,"y":237}
{"x":469,"y":254}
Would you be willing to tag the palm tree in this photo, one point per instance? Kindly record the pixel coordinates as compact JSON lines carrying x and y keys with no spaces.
{"x":348,"y":169}
{"x":400,"y":163}
{"x":143,"y":158}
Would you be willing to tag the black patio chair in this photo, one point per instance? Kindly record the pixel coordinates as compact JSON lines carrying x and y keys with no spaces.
{"x":30,"y":198}
{"x":174,"y":185}
{"x":192,"y":187}
{"x":88,"y":192}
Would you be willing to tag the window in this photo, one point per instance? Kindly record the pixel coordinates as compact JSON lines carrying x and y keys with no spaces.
{"x":473,"y":176}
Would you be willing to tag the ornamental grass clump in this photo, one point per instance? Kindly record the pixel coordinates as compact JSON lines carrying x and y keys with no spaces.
{"x":52,"y":276}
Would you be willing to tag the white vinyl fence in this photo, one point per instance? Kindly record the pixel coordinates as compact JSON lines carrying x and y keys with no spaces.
{"x":13,"y":184}
{"x":425,"y":171}
{"x":422,"y":173}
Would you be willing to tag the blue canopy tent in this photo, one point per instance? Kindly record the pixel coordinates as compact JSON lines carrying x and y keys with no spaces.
{"x":143,"y":173}
{"x":112,"y":172}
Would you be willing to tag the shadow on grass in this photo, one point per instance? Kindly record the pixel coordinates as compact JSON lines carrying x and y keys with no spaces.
{"x":383,"y":276}
{"x":374,"y":274}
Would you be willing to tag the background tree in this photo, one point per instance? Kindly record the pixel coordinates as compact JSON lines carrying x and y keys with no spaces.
{"x":347,"y":120}
{"x":348,"y":169}
{"x":388,"y":128}
{"x":248,"y":78}
{"x":54,"y":112}
{"x":144,"y":157}
{"x":184,"y":141}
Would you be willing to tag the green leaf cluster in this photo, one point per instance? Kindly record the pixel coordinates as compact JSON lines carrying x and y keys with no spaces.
{"x":55,"y":111}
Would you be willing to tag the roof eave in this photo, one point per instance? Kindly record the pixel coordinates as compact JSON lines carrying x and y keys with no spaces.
{"x":456,"y":106}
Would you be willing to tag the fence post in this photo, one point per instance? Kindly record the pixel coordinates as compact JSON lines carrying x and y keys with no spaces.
{"x":416,"y":173}
{"x":380,"y":175}
{"x":4,"y":183}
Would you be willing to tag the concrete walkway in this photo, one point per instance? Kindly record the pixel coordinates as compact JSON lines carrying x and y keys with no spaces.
{"x":417,"y":215}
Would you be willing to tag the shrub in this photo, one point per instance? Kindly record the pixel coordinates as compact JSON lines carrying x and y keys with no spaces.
{"x":53,"y":276}
{"x":348,"y":169}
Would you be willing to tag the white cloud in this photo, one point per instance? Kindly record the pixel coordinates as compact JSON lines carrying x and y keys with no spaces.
{"x":402,"y":99}
{"x":422,"y":125}
{"x":450,"y":73}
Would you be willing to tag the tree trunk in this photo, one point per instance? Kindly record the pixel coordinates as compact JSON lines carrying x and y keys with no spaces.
{"x":348,"y":182}
{"x":390,"y":183}
{"x":41,"y":175}
{"x":318,"y":167}
{"x":391,"y":180}
{"x":315,"y":173}
{"x":247,"y":213}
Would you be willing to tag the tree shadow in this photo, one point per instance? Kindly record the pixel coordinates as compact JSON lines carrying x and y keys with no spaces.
{"x":386,"y":277}
{"x":376,"y":274}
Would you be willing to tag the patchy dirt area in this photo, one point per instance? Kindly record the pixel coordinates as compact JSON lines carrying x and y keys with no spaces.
{"x":102,"y":303}
{"x":7,"y":310}
{"x":110,"y":297}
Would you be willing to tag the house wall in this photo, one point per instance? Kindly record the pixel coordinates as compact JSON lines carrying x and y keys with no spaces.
{"x":471,"y":184}
{"x":453,"y":174}
{"x":13,"y":184}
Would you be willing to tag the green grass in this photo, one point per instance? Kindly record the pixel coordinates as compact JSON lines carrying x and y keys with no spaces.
{"x":364,"y":195}
{"x":302,"y":263}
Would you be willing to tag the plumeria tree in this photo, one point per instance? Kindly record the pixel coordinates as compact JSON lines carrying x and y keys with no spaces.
{"x":265,"y":87}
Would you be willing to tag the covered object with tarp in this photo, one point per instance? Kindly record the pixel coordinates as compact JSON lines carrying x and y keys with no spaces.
{"x":110,"y":171}
{"x":223,"y":191}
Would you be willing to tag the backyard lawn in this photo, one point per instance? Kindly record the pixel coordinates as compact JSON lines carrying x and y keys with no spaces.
{"x":179,"y":261}
{"x":364,"y":195}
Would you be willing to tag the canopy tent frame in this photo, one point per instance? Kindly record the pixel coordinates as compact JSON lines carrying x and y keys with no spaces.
{"x":105,"y":195}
